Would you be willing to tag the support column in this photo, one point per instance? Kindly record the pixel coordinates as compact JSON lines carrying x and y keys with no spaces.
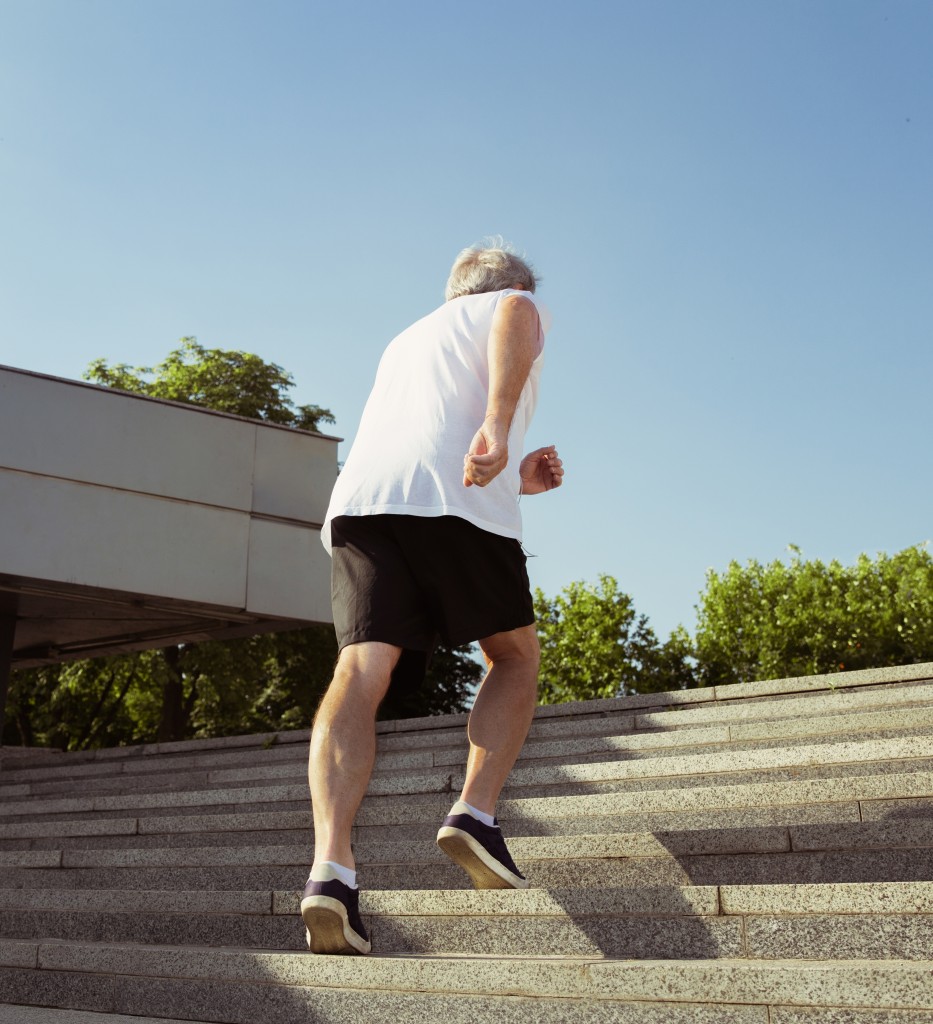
{"x":7,"y":632}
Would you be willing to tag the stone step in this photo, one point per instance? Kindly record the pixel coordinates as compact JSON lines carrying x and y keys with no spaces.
{"x":793,"y":773}
{"x":889,"y":680}
{"x":393,"y":747}
{"x":837,"y":866}
{"x":237,"y":823}
{"x":449,"y":747}
{"x":594,"y":872}
{"x":821,"y":757}
{"x":601,"y":735}
{"x":667,"y":901}
{"x":295,"y":769}
{"x":891,"y":677}
{"x":157,"y":763}
{"x":876,"y":715}
{"x":71,"y":827}
{"x":829,"y":703}
{"x":618,"y":923}
{"x":83,"y":850}
{"x":892,"y":814}
{"x":885,"y":810}
{"x":160,"y":763}
{"x":748,"y":717}
{"x":766,"y":821}
{"x":891,"y":800}
{"x":871,"y":835}
{"x":780,"y":709}
{"x":903,"y":864}
{"x":745,"y":701}
{"x":596,"y":750}
{"x":214,"y":867}
{"x":684,"y":742}
{"x":431,"y":806}
{"x":241,"y":987}
{"x":15,"y":759}
{"x":44,"y":1015}
{"x":585,"y":777}
{"x":849,"y":722}
{"x":875,"y":921}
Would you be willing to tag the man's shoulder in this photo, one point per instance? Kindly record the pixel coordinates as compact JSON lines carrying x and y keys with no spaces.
{"x":471,"y":311}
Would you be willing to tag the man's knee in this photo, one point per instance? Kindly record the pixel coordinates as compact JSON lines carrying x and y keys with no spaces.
{"x":369,"y":658}
{"x":364,"y":671}
{"x":515,"y":645}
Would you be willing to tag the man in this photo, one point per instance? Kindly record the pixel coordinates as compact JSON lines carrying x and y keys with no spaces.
{"x":424,"y":530}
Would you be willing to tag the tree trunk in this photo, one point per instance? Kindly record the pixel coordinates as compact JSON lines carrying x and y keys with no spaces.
{"x":105,"y":720}
{"x":7,"y":633}
{"x":174,"y":719}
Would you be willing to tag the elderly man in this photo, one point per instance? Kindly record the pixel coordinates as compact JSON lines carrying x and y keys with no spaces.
{"x":424,"y":531}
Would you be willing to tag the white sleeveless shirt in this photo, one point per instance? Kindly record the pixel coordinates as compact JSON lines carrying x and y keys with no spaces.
{"x":427,"y":402}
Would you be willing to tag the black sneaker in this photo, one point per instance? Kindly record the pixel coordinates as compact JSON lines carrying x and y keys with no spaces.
{"x":330,"y":911}
{"x":480,"y":850}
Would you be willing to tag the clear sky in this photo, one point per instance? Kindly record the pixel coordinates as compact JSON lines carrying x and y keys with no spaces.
{"x":730,"y":203}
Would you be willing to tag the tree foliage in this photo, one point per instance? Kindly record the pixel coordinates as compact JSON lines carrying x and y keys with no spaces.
{"x":754,"y":621}
{"x":264,"y":683}
{"x":85,"y":704}
{"x":594,"y":644}
{"x":770,"y":621}
{"x":220,"y":379}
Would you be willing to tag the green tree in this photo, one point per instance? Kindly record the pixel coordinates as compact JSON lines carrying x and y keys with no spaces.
{"x":760,"y":621}
{"x":83,"y":704}
{"x":228,"y":381}
{"x":217,"y":688}
{"x":263,"y":683}
{"x":594,"y":644}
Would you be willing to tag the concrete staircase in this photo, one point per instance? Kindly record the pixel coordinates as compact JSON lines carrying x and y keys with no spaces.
{"x":760,"y":853}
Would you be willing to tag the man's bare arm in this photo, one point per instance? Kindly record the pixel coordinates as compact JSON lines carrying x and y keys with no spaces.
{"x":541,"y":470}
{"x":513,"y":346}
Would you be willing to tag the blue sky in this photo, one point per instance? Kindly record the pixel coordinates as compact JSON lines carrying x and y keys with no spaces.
{"x":730,"y":205}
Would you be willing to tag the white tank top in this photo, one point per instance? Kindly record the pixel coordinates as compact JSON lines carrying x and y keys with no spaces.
{"x":427,"y":402}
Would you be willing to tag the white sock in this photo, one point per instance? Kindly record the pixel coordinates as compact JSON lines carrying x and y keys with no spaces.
{"x":461,"y":807}
{"x":328,"y":871}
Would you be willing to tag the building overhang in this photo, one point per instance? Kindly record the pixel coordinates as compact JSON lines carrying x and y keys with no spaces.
{"x":129,"y":523}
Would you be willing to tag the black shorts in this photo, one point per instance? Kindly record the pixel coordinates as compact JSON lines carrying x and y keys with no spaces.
{"x":409,"y":580}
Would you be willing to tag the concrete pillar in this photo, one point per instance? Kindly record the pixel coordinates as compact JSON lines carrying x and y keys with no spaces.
{"x":7,"y":632}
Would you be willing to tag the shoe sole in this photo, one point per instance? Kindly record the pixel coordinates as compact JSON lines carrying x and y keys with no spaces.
{"x":328,"y":928}
{"x":484,"y":870}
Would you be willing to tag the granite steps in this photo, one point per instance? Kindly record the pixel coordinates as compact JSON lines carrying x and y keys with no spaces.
{"x":787,"y":882}
{"x":727,"y":723}
{"x":844,"y":757}
{"x":745,"y":856}
{"x":749,"y":717}
{"x":860,"y":921}
{"x":116,"y":984}
{"x":596,"y":750}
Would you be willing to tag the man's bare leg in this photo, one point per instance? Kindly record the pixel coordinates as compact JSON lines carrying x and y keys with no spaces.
{"x":497,"y":729}
{"x":343,"y":745}
{"x":502,"y":714}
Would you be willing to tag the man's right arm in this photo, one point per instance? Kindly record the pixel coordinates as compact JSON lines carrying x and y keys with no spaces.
{"x":513,"y":347}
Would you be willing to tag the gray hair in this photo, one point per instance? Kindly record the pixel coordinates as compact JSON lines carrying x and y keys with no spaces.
{"x":489,"y":266}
